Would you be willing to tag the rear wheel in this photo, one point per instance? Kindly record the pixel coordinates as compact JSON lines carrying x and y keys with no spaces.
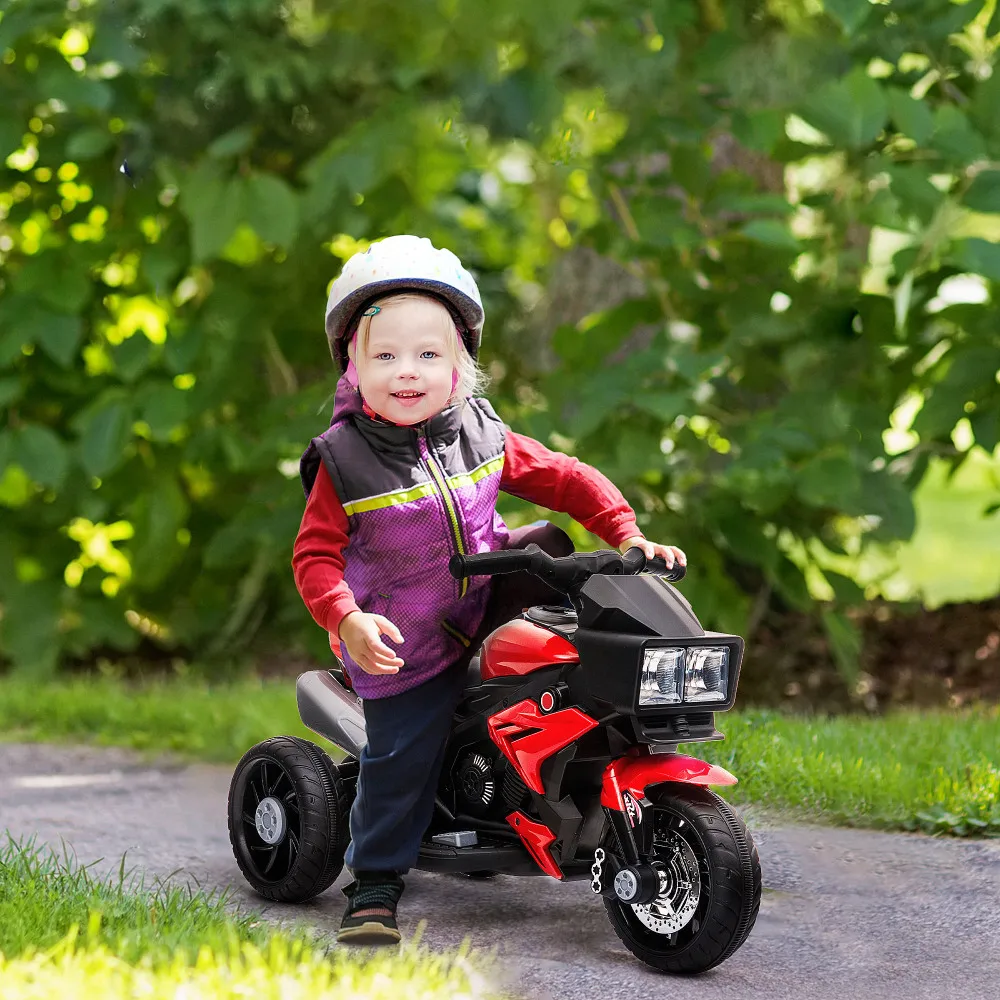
{"x":710,"y":884}
{"x":288,"y":819}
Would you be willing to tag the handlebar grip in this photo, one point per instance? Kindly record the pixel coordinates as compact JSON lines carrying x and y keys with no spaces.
{"x":658,"y":565}
{"x":493,"y":563}
{"x":634,"y":561}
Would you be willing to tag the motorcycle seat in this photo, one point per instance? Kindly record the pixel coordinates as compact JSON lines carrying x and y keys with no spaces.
{"x":473,"y":677}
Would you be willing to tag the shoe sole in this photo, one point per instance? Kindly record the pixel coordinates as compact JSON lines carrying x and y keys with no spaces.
{"x":370,"y":933}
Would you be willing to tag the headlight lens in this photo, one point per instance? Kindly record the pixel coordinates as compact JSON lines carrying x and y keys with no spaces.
{"x":695,"y":674}
{"x":662,"y":677}
{"x":706,"y":675}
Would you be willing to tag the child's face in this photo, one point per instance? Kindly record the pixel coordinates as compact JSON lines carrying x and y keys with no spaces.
{"x":406,"y":371}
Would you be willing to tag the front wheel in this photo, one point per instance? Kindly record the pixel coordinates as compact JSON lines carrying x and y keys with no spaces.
{"x":288,"y":819}
{"x":710,"y":884}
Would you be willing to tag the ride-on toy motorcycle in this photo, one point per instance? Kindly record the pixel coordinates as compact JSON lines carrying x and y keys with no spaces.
{"x":562,"y":760}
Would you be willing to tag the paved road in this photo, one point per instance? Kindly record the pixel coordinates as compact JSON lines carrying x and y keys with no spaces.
{"x":846,"y":913}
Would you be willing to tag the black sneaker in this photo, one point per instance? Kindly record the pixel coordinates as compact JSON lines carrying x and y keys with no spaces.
{"x":370,"y":917}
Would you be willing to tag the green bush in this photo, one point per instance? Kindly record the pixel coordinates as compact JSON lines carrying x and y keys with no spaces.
{"x":782,"y":197}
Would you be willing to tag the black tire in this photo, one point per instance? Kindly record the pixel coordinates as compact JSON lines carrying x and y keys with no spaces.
{"x":316,"y":804}
{"x":730,"y":885}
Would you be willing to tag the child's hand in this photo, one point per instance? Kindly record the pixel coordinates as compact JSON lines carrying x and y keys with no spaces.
{"x":361,"y":633}
{"x":652,"y":549}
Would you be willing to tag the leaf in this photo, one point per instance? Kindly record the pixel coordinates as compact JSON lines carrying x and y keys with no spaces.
{"x":10,"y":137}
{"x":845,"y":644}
{"x":845,"y":589}
{"x":58,"y":278}
{"x":912,"y":117}
{"x":107,"y":430}
{"x":158,"y":515}
{"x":850,"y":13}
{"x":132,"y":356}
{"x":984,"y":192}
{"x":272,"y":209}
{"x":851,"y":111}
{"x":668,"y":406}
{"x":214,"y":207}
{"x":955,"y":137}
{"x":917,"y":195}
{"x":29,"y":629}
{"x":161,"y":264}
{"x":88,"y":143}
{"x":887,"y":497}
{"x":58,"y":335}
{"x":986,"y":429}
{"x":163,"y":407}
{"x":829,"y":481}
{"x":791,"y":584}
{"x":978,"y":256}
{"x":10,"y":390}
{"x":770,"y":233}
{"x":232,"y":143}
{"x":42,"y":454}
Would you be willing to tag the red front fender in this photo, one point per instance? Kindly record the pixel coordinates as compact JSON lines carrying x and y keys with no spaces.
{"x":635,"y":774}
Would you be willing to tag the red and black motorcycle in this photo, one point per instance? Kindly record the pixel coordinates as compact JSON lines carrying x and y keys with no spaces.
{"x":562,"y":760}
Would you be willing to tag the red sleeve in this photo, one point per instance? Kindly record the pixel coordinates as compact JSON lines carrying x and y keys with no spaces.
{"x":318,"y":557}
{"x":563,"y":483}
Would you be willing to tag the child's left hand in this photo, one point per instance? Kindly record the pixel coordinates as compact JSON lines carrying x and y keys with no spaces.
{"x":652,"y":549}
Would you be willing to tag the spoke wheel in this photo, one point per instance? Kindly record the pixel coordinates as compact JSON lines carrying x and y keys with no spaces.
{"x":710,"y":884}
{"x":288,"y":819}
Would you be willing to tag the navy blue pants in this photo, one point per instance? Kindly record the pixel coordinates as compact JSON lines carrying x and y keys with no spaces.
{"x":408,"y":732}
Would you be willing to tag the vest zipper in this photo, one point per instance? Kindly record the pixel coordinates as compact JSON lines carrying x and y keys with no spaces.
{"x":449,"y":502}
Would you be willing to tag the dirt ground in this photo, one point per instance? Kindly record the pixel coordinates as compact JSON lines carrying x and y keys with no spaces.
{"x":911,"y":656}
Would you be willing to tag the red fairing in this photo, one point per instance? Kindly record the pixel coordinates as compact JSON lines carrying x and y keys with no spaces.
{"x":521,"y":647}
{"x":538,"y":838}
{"x":528,"y":738}
{"x":635,"y":774}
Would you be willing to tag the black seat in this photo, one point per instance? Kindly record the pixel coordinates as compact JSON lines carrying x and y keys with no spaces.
{"x":474,"y":677}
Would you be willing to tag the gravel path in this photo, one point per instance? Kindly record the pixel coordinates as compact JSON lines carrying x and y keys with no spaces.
{"x":846,"y":913}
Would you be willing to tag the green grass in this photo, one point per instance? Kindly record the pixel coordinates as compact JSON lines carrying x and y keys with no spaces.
{"x":937,"y":771}
{"x":64,"y":932}
{"x":191,"y":718}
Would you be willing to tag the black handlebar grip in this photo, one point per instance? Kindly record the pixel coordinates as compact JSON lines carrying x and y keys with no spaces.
{"x":492,"y":563}
{"x":658,"y":565}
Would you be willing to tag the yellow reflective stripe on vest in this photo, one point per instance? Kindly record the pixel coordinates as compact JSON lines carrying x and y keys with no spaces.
{"x":471,"y":478}
{"x":456,"y":634}
{"x":389,"y":499}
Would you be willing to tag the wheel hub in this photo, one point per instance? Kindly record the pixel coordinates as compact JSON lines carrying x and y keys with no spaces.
{"x":270,"y":821}
{"x":680,"y":888}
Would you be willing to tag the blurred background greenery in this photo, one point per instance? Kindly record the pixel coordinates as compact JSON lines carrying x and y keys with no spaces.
{"x":739,"y":254}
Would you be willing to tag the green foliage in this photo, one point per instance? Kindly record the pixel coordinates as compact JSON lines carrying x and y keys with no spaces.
{"x":162,"y":362}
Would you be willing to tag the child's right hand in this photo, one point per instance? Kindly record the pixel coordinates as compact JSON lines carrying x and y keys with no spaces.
{"x":361,"y":633}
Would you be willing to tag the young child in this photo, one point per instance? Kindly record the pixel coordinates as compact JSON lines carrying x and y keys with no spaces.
{"x":408,"y":474}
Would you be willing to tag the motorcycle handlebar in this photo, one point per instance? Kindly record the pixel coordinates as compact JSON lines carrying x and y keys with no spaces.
{"x":534,"y":560}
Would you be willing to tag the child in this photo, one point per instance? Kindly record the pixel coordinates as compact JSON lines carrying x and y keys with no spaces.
{"x":408,"y":474}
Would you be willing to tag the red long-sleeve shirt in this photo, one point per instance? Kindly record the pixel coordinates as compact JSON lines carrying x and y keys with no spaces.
{"x":531,"y":471}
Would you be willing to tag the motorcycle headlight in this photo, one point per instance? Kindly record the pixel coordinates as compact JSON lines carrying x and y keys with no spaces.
{"x":662,"y":677}
{"x":706,"y":674}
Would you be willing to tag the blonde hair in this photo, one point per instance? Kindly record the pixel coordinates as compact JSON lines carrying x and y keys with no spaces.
{"x":472,"y":380}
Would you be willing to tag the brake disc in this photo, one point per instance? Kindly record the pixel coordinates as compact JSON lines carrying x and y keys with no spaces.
{"x":680,"y":886}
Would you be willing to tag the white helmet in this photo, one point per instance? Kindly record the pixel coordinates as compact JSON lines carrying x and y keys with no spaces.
{"x":396,"y":264}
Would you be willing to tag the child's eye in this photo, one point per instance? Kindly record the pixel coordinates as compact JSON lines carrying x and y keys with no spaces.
{"x":432,"y":354}
{"x":384,"y":356}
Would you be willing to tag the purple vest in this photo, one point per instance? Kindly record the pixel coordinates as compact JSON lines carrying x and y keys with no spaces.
{"x":414,"y":497}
